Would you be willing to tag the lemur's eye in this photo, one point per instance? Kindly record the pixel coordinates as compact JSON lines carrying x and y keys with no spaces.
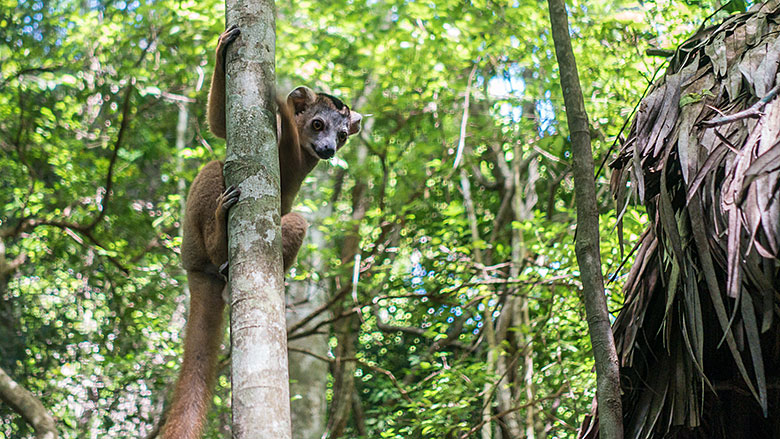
{"x":317,"y":125}
{"x":342,"y":136}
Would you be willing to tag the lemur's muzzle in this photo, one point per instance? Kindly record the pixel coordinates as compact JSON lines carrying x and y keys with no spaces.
{"x":325,"y":152}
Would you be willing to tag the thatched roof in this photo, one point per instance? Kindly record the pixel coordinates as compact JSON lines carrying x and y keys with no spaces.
{"x":698,"y":338}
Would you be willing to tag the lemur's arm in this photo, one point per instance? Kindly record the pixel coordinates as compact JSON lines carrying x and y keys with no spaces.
{"x":216,"y":109}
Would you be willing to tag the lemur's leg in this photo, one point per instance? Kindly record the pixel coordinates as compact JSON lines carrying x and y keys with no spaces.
{"x":293,"y":230}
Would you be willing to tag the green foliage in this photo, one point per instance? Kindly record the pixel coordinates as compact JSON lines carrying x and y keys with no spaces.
{"x":91,"y":321}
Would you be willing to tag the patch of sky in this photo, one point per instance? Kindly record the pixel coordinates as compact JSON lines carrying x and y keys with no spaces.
{"x":546,"y":111}
{"x":510,"y":87}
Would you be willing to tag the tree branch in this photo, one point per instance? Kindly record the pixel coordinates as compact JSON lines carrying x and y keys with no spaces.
{"x":109,"y":177}
{"x":27,"y":71}
{"x":754,"y":112}
{"x":385,"y":372}
{"x":22,"y":401}
{"x":476,"y":428}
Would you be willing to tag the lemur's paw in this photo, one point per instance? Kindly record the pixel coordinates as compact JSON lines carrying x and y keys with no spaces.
{"x":225,"y":38}
{"x":227,"y":199}
{"x":224,"y":269}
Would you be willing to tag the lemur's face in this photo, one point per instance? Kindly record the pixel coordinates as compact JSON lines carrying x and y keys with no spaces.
{"x":324,"y":122}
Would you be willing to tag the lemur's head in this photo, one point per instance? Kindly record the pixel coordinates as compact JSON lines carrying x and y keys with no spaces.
{"x":324,"y":122}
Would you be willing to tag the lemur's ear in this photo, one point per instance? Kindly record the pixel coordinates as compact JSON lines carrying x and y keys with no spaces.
{"x":301,"y":98}
{"x":354,"y":122}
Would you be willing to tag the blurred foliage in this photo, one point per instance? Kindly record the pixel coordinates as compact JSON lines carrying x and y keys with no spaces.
{"x":91,"y":294}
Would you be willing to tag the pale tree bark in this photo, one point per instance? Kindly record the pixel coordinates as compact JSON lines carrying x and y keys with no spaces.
{"x":515,"y":311}
{"x":260,"y":387}
{"x":523,"y":202}
{"x":28,"y":406}
{"x":587,"y":243}
{"x":308,"y":374}
{"x":486,"y":432}
{"x":346,"y":329}
{"x":343,"y":376}
{"x":181,"y":140}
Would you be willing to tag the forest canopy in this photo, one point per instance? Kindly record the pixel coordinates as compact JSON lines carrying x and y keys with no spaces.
{"x":437,"y":292}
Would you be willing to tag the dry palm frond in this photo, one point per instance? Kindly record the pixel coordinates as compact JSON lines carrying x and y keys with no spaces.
{"x":699,"y":332}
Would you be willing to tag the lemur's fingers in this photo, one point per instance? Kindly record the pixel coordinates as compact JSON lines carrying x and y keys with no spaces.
{"x":225,"y":38}
{"x":228,"y":198}
{"x":230,"y":34}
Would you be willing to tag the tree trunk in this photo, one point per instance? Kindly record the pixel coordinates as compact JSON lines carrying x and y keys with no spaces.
{"x":260,"y":398}
{"x":587,"y":244}
{"x":309,"y":375}
{"x":346,"y":329}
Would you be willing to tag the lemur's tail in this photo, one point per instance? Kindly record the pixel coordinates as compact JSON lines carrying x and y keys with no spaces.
{"x":192,"y":395}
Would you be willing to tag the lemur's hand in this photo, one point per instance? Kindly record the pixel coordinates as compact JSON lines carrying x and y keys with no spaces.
{"x":225,"y":38}
{"x":226,"y":200}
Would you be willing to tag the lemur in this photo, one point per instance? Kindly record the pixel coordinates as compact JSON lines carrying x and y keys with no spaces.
{"x":310,"y":126}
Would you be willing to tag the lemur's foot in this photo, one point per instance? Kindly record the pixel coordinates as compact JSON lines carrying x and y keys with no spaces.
{"x":227,"y":199}
{"x":225,"y":38}
{"x":224,"y":269}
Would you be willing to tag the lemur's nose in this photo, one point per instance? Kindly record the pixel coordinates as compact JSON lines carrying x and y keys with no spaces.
{"x":325,"y":151}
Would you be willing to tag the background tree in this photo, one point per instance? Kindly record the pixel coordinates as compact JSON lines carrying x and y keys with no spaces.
{"x":697,"y":338}
{"x":587,"y":239}
{"x":93,"y":298}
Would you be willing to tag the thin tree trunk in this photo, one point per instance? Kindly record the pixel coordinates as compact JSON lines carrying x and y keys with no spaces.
{"x":27,"y":405}
{"x":346,"y":329}
{"x":260,"y":397}
{"x":343,"y":376}
{"x":486,"y":431}
{"x":309,"y":375}
{"x":181,"y":140}
{"x":587,"y":244}
{"x":523,"y":201}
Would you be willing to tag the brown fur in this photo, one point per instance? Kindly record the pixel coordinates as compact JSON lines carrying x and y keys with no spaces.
{"x":204,"y":244}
